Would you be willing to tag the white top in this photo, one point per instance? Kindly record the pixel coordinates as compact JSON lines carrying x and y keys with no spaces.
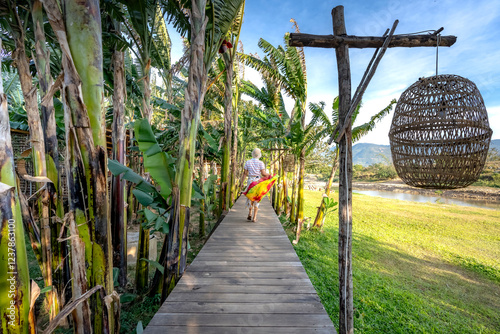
{"x":254,"y":166}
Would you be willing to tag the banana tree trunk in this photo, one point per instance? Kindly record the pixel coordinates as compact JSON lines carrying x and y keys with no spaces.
{"x":39,"y":163}
{"x":213,"y":171}
{"x":279,"y":186}
{"x":283,"y":200}
{"x":318,"y":222}
{"x":293,"y":210}
{"x":300,"y":196}
{"x":234,"y":149}
{"x":157,"y":282}
{"x":14,"y":274}
{"x":272,"y":169}
{"x":78,"y":29}
{"x":147,"y":111}
{"x":131,"y":202}
{"x":118,"y":213}
{"x":83,"y":25}
{"x":201,"y":227}
{"x":190,"y":118}
{"x":142,"y":267}
{"x":60,"y":259}
{"x":225,"y":189}
{"x":285,"y":192}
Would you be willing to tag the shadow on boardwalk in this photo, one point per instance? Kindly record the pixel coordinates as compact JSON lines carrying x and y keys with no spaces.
{"x":246,"y":279}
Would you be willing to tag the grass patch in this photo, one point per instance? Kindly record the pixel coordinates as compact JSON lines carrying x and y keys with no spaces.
{"x":417,"y":267}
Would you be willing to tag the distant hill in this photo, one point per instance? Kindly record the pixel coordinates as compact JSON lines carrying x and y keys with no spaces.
{"x":369,"y":154}
{"x":495,"y":143}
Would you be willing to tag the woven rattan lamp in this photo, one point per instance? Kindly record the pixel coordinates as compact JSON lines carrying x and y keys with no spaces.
{"x":440,"y":133}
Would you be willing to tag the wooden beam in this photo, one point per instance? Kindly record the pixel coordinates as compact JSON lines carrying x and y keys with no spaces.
{"x":370,"y":71}
{"x":331,"y":41}
{"x":346,"y":314}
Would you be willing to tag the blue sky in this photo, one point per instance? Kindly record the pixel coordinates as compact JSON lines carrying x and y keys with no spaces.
{"x":475,"y":55}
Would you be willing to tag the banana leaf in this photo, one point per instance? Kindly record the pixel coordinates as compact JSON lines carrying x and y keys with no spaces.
{"x":160,"y":165}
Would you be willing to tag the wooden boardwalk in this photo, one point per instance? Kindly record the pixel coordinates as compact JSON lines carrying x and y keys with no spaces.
{"x":246,"y":279}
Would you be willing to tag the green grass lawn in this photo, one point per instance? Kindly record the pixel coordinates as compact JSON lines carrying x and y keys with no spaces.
{"x":417,"y":267}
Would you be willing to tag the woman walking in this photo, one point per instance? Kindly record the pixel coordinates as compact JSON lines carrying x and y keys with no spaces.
{"x":254,"y":169}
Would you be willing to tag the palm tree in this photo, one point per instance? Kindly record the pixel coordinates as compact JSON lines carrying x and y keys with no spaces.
{"x":357,"y":133}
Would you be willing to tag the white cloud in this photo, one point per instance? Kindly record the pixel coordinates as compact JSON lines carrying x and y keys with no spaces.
{"x":475,"y":55}
{"x":494,"y":119}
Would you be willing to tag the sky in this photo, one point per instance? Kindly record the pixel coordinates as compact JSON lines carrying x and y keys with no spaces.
{"x":475,"y":55}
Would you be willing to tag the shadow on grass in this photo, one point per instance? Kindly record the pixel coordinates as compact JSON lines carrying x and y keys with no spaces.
{"x":396,"y":292}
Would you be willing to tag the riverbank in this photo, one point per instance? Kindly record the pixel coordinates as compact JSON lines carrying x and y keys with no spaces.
{"x":471,"y":192}
{"x":417,"y":267}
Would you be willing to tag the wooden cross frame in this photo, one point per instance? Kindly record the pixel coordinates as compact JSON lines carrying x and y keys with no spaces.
{"x":342,"y":42}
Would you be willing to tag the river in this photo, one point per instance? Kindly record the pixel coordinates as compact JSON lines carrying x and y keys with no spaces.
{"x":431,"y":199}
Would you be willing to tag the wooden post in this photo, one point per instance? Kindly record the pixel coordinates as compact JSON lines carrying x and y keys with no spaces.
{"x":342,"y":42}
{"x":346,"y":323}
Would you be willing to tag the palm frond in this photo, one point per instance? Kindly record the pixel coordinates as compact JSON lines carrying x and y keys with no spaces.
{"x":161,"y":45}
{"x":264,"y":68}
{"x":251,"y":90}
{"x":318,"y":111}
{"x":363,"y":129}
{"x":176,"y":13}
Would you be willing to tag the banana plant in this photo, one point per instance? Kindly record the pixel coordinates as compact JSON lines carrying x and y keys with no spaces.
{"x":77,"y":26}
{"x":145,"y":24}
{"x":286,"y":67}
{"x":14,"y":274}
{"x":210,"y":22}
{"x":17,"y":22}
{"x":357,"y":133}
{"x":228,"y":50}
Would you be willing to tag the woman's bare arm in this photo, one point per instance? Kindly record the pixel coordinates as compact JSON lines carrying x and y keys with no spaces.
{"x":264,"y":173}
{"x":243,"y":176}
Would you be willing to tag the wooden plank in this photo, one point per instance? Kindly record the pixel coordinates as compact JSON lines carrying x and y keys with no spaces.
{"x":245,"y":274}
{"x":243,"y":297}
{"x":250,"y":308}
{"x":246,"y":279}
{"x":242,"y":263}
{"x":250,"y":320}
{"x":245,"y":289}
{"x":251,"y":258}
{"x":246,"y":268}
{"x":228,"y":247}
{"x":239,"y":252}
{"x":236,"y":329}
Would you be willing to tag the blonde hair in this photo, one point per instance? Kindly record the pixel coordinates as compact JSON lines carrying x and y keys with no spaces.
{"x":256,"y":153}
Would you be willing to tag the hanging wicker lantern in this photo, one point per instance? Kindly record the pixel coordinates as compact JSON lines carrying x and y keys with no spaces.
{"x":440,"y":133}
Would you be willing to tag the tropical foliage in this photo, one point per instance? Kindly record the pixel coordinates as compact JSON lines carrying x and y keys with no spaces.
{"x":95,"y":85}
